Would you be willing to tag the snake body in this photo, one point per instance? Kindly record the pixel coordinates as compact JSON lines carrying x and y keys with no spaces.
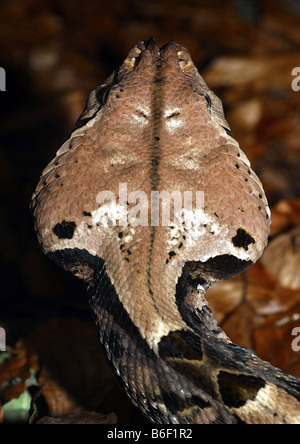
{"x":152,"y":127}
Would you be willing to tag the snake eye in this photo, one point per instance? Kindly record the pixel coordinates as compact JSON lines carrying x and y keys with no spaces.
{"x":228,"y":131}
{"x":105,"y":96}
{"x":208,"y":101}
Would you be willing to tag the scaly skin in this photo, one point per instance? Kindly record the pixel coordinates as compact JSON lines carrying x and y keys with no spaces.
{"x":155,"y":126}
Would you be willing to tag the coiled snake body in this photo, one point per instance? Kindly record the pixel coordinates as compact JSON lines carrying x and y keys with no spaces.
{"x":153,"y":127}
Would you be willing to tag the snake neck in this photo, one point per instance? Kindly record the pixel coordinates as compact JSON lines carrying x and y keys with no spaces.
{"x":197,"y":375}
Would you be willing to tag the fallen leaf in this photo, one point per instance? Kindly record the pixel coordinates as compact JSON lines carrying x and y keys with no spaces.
{"x":282,"y":259}
{"x":14,"y":371}
{"x":285,"y":215}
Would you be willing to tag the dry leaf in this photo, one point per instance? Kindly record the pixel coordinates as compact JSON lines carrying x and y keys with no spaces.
{"x":259,"y":315}
{"x":285,"y":215}
{"x":261,"y":72}
{"x":273,"y":341}
{"x":224,"y":297}
{"x":14,"y":372}
{"x":282,"y":259}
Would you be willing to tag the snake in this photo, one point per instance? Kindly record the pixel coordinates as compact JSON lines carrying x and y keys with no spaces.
{"x":150,"y":201}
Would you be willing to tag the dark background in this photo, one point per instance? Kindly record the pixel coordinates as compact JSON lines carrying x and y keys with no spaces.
{"x":55,"y":52}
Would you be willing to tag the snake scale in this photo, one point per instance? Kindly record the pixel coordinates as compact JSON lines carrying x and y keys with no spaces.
{"x":152,"y":127}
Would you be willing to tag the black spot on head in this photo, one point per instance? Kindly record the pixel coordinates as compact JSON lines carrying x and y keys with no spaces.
{"x":175,"y":114}
{"x":120,"y":235}
{"x":242,"y":239}
{"x":57,"y":176}
{"x":236,"y":390}
{"x":142,"y":114}
{"x":64,"y":230}
{"x":237,"y":165}
{"x":171,"y":254}
{"x":87,"y":213}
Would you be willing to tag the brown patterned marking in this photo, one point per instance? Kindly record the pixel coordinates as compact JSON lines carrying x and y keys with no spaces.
{"x":181,"y":344}
{"x":237,"y":389}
